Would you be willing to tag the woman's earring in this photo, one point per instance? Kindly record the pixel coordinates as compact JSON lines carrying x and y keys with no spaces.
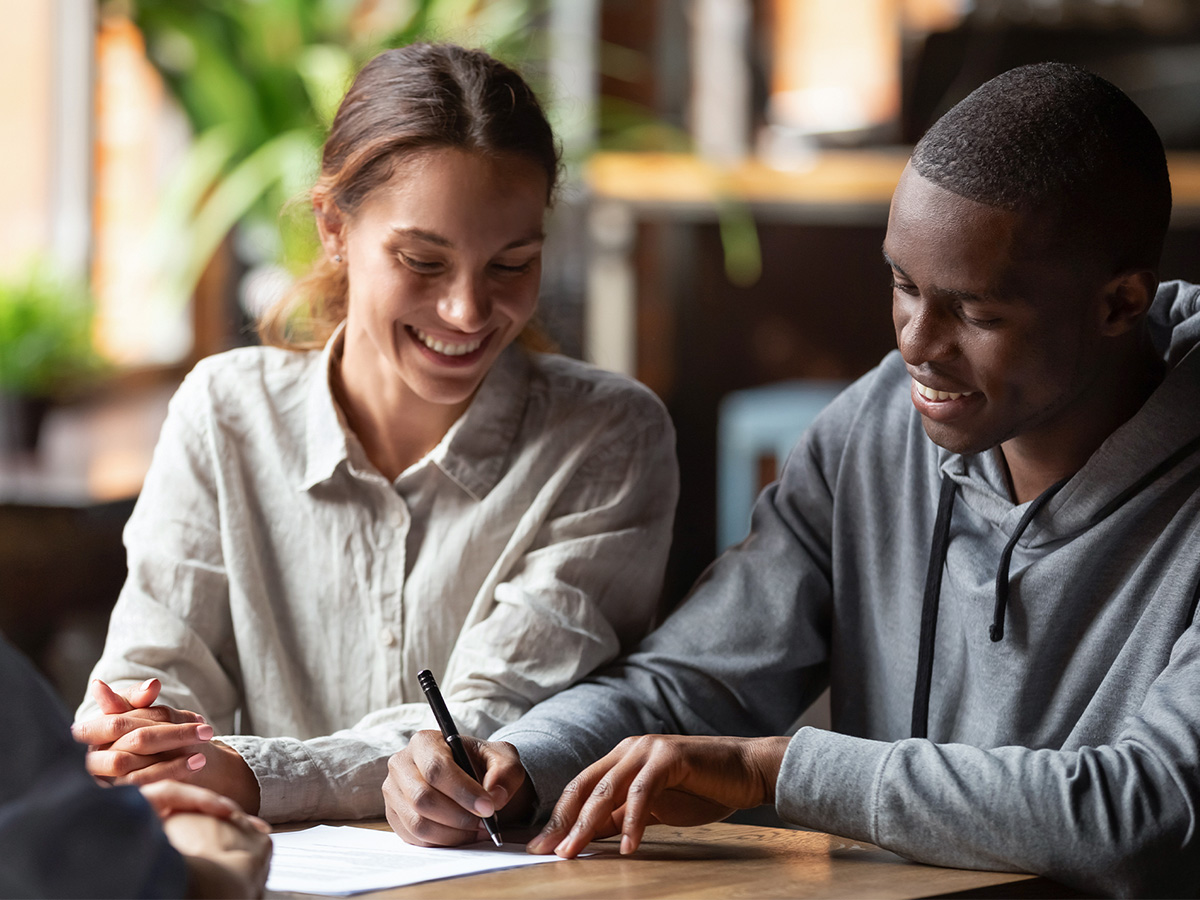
{"x":337,"y":257}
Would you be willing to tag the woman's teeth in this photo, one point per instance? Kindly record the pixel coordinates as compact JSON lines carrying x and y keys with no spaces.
{"x":446,"y":349}
{"x":930,"y":394}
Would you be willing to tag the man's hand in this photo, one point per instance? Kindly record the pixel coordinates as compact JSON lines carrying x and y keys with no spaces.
{"x":227,"y":851}
{"x":431,"y":802}
{"x":654,"y":779}
{"x":134,"y":741}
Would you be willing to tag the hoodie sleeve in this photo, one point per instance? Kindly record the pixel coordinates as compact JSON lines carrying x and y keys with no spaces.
{"x":1118,"y":819}
{"x":739,"y":656}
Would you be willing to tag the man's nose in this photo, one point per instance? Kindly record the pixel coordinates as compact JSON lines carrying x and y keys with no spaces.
{"x":924,"y":332}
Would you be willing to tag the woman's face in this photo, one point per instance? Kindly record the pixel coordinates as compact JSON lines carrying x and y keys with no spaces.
{"x":444,"y":262}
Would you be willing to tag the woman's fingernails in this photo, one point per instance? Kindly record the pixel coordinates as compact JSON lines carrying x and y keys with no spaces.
{"x":204,"y":732}
{"x":483,"y":807}
{"x":147,"y":684}
{"x":626,"y":845}
{"x":196,"y":761}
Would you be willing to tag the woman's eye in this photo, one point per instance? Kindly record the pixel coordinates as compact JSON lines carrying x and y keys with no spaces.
{"x":420,"y":265}
{"x":903,"y":287}
{"x":513,"y":268}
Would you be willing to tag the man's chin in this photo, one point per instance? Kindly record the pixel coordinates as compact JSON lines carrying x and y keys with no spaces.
{"x":956,"y":440}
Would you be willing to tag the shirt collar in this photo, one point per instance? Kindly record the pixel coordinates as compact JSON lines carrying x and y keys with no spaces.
{"x":325,"y":443}
{"x":475,"y":451}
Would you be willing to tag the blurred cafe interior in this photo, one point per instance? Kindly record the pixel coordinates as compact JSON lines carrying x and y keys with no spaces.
{"x":730,"y":164}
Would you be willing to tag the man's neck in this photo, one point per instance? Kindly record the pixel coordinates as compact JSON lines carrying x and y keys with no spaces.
{"x":1034,"y":463}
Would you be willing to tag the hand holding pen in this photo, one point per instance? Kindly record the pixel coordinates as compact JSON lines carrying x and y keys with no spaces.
{"x":454,"y":739}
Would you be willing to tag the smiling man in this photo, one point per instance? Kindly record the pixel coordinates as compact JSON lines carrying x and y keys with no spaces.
{"x":989,"y":548}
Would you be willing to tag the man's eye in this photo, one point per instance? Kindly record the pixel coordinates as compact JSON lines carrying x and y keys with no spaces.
{"x":903,"y":287}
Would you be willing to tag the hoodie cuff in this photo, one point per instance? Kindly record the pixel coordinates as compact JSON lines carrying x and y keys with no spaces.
{"x":829,"y":782}
{"x":549,"y":762}
{"x":287,"y":775}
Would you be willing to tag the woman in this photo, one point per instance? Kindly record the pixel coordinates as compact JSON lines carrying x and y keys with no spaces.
{"x":320,"y":524}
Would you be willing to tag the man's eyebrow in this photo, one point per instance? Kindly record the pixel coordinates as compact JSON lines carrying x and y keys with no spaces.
{"x":891,"y":262}
{"x":952,"y":292}
{"x":433,"y":237}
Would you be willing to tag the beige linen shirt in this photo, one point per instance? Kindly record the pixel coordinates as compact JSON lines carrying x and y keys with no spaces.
{"x":279,"y":582}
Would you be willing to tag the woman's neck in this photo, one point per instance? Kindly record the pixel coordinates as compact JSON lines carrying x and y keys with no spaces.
{"x":396,"y":427}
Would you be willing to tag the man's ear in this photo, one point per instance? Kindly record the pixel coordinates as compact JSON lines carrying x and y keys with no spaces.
{"x":331,"y":224}
{"x":1126,"y":300}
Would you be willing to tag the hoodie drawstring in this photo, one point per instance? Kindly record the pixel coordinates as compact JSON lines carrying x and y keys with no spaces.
{"x":933,"y":588}
{"x":996,"y":632}
{"x":929,"y":608}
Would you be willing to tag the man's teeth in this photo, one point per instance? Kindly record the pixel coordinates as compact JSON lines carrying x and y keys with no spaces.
{"x":446,"y":349}
{"x":930,"y":394}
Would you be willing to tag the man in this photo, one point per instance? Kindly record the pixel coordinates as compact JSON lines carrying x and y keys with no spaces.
{"x":63,"y":835}
{"x":989,"y":548}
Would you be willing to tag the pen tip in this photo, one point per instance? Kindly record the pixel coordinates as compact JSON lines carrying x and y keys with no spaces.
{"x":496,"y":840}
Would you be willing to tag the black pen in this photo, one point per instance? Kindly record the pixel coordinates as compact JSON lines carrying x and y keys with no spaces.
{"x":454,"y":739}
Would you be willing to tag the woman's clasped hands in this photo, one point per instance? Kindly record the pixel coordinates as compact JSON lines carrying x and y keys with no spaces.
{"x":136,"y":741}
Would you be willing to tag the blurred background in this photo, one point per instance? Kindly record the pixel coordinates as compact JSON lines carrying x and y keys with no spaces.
{"x":730,"y":164}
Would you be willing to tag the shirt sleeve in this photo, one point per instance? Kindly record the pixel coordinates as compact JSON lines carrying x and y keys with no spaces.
{"x":1118,"y":819}
{"x":587,"y":584}
{"x":61,"y":833}
{"x":172,"y":620}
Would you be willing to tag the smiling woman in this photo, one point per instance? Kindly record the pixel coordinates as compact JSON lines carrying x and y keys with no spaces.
{"x":401,"y":482}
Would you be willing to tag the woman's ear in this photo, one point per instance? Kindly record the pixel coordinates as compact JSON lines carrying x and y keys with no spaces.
{"x":331,"y":225}
{"x":1127,"y":299}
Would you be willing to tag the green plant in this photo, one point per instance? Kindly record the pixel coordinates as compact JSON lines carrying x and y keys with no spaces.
{"x":45,"y":334}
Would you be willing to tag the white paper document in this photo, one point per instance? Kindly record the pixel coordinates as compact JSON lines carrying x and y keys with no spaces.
{"x":342,"y":860}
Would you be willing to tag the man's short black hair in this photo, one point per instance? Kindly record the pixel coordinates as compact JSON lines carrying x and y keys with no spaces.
{"x":1057,"y":138}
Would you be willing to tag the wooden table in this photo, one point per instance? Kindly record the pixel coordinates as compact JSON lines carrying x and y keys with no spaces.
{"x":728,"y":861}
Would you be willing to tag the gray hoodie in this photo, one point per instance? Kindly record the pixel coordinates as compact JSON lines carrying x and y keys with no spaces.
{"x":1068,"y":747}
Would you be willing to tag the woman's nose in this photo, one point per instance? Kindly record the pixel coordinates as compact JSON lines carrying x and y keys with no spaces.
{"x":467,"y":307}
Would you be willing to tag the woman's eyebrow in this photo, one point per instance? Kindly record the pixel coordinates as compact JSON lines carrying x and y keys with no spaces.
{"x":432,"y":237}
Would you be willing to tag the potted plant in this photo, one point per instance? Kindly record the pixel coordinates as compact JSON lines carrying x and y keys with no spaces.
{"x":46,"y":350}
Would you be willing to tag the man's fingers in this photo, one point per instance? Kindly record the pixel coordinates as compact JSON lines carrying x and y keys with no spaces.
{"x":436,"y":767}
{"x":597,"y":816}
{"x":639,"y":799}
{"x":133,"y":768}
{"x":503,"y":775}
{"x":418,"y":813}
{"x":558,"y":833}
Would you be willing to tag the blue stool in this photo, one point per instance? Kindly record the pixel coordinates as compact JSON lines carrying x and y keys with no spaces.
{"x":756,"y":430}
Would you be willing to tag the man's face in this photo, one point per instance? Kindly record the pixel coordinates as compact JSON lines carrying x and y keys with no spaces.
{"x":999,"y":332}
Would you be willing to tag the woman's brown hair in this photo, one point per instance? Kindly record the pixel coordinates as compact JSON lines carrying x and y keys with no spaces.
{"x":409,"y":99}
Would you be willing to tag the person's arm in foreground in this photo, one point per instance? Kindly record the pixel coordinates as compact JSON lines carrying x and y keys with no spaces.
{"x":63,"y":835}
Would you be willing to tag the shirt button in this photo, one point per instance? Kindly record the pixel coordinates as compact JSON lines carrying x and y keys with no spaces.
{"x":388,"y":637}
